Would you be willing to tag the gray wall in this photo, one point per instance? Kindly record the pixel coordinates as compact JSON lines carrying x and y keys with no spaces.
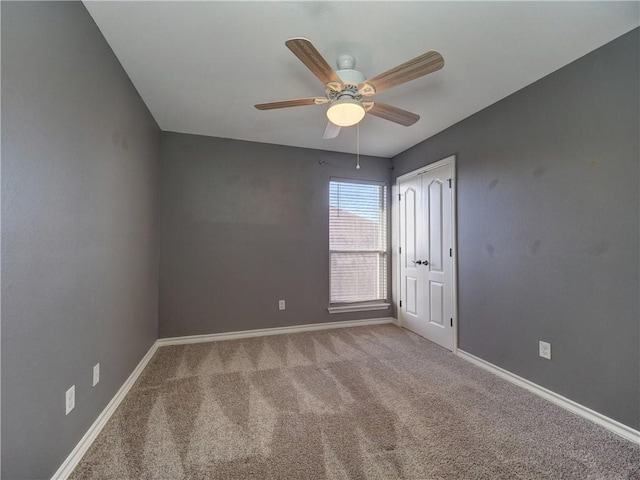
{"x":548,"y":201}
{"x":244,"y":225}
{"x":80,"y":176}
{"x":548,"y":229}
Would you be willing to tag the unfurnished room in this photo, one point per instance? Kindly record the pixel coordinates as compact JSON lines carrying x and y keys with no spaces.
{"x":315,"y":240}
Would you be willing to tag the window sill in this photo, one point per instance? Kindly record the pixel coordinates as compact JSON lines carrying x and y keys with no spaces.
{"x":363,"y":307}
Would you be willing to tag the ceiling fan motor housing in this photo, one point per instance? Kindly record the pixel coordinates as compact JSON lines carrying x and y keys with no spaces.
{"x":351,"y":79}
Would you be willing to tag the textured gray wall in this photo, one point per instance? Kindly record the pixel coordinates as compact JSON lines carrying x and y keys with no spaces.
{"x":244,"y":225}
{"x":80,"y":177}
{"x":548,"y":232}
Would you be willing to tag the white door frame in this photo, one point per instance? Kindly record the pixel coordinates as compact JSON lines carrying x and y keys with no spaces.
{"x":395,"y":239}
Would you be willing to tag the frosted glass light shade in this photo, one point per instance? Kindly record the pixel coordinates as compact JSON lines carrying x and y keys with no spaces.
{"x":345,"y":112}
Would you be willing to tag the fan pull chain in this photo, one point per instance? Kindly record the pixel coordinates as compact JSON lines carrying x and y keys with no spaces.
{"x":358,"y":146}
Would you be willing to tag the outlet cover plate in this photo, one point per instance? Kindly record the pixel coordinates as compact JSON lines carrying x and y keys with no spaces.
{"x":70,"y":399}
{"x":96,"y":374}
{"x":545,"y":350}
{"x":281,"y":305}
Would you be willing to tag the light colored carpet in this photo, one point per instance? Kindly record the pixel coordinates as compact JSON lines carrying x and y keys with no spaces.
{"x":355,"y":403}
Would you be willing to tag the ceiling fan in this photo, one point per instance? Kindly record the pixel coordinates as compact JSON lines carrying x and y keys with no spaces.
{"x":347,"y":89}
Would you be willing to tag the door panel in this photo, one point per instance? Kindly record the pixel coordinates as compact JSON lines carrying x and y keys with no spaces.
{"x":436,"y":294}
{"x":426,"y":267}
{"x":410,"y":243}
{"x":412,"y":295}
{"x":410,"y":276}
{"x":435,"y":225}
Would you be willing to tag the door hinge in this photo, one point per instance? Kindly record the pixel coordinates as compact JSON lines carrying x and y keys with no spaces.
{"x":400,"y":303}
{"x":399,"y":249}
{"x":399,"y":197}
{"x":451,"y":252}
{"x":449,"y":180}
{"x":452,"y":322}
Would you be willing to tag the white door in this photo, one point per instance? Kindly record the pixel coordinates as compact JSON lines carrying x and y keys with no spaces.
{"x":426,"y":262}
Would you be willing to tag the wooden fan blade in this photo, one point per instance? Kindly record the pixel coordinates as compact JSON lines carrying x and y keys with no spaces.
{"x":332,"y":131}
{"x":292,"y":103}
{"x":393,"y":114}
{"x":306,"y":52}
{"x":416,"y":68}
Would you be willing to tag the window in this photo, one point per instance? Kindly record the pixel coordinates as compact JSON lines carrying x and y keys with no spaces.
{"x":357,"y":243}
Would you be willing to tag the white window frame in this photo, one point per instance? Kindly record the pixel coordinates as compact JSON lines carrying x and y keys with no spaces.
{"x":362,"y":306}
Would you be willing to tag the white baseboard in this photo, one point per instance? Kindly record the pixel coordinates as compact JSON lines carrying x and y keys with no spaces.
{"x":574,"y":407}
{"x":216,"y":337}
{"x":85,"y":442}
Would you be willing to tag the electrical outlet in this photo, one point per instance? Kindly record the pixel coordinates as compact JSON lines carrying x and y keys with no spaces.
{"x":281,"y":305}
{"x":70,"y":399}
{"x":545,"y":350}
{"x":96,"y":374}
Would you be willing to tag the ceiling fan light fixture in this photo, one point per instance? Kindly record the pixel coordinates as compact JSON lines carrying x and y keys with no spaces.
{"x":345,"y":112}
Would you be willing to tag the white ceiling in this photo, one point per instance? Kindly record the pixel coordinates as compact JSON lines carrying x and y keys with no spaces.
{"x":201,"y":66}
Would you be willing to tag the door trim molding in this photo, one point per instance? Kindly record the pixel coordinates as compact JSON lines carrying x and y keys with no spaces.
{"x":451,"y":159}
{"x":395,"y":240}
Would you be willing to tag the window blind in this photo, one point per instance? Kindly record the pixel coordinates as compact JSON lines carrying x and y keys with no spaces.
{"x":357,"y":241}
